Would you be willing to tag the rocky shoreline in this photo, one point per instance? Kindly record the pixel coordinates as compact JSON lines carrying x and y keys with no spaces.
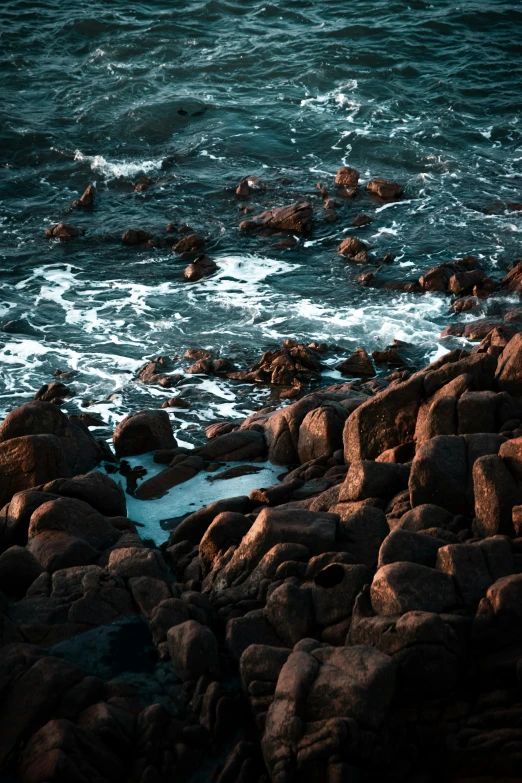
{"x":358,"y":621}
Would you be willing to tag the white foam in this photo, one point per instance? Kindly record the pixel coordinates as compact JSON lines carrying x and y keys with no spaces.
{"x":121,"y":168}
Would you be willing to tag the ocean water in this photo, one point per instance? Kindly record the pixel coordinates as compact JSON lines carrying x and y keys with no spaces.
{"x":197,"y":95}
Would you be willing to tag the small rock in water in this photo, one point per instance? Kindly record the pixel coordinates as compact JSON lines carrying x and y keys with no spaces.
{"x":87,"y":200}
{"x":347,"y":177}
{"x":296,"y":217}
{"x":351,"y":247}
{"x":385,"y":189}
{"x":237,"y":470}
{"x":64,"y":232}
{"x":358,"y":364}
{"x":192,"y":243}
{"x":135,"y":236}
{"x":249,"y":184}
{"x":361,"y":220}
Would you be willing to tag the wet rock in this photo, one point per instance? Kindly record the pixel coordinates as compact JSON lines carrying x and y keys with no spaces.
{"x":248,"y":185}
{"x":134,"y":236}
{"x":385,"y":189}
{"x":358,"y":364}
{"x":87,"y":199}
{"x":296,"y":217}
{"x":202,"y":266}
{"x":144,"y":431}
{"x":351,"y":247}
{"x":181,"y":469}
{"x":193,"y":527}
{"x":513,"y":280}
{"x":29,"y":461}
{"x":361,"y":220}
{"x":191,"y":243}
{"x":404,"y":587}
{"x":76,"y":518}
{"x":347,"y":177}
{"x":154,"y":372}
{"x":193,"y":650}
{"x":64,"y":232}
{"x":53,"y":392}
{"x":234,"y":446}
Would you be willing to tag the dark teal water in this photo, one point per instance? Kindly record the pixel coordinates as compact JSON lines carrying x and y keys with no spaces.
{"x":429,"y":94}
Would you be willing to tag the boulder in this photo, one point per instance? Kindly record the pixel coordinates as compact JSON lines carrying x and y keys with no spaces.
{"x":385,"y":188}
{"x":282,"y":430}
{"x":135,"y":236}
{"x":64,"y":232}
{"x":358,"y":365}
{"x":295,"y":217}
{"x":508,"y":375}
{"x":439,"y":475}
{"x":18,"y":570}
{"x":130,"y":562}
{"x":425,"y":516}
{"x":290,"y":611}
{"x":361,"y":534}
{"x":496,"y":492}
{"x":181,"y":469}
{"x":369,"y":479}
{"x":234,"y":446}
{"x":347,"y":177}
{"x":95,"y":488}
{"x":75,"y":518}
{"x":194,"y":526}
{"x":82,"y":452}
{"x":468,"y":567}
{"x":334,"y":590}
{"x":144,"y":431}
{"x":351,"y":246}
{"x":408,"y":546}
{"x":404,"y":587}
{"x":321,"y":432}
{"x":226,"y":530}
{"x":15,"y":516}
{"x":190,"y":243}
{"x":193,"y":649}
{"x":29,"y":461}
{"x":55,"y":550}
{"x":383,"y":422}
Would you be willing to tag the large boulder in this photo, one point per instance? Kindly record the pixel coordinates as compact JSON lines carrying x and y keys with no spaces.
{"x":369,"y":479}
{"x":82,"y":452}
{"x":404,"y":587}
{"x":383,"y":422}
{"x":144,"y":431}
{"x":496,"y":492}
{"x":18,"y":570}
{"x":295,"y":217}
{"x":282,"y":430}
{"x":439,"y":475}
{"x":194,"y":526}
{"x":234,"y":446}
{"x":95,"y":488}
{"x":54,"y":550}
{"x":193,"y":650}
{"x":226,"y":530}
{"x":509,"y":369}
{"x":321,"y":432}
{"x":75,"y":518}
{"x":28,"y":461}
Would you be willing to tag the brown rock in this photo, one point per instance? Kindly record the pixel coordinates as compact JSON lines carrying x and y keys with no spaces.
{"x":191,"y":243}
{"x":193,"y":650}
{"x":29,"y":461}
{"x":509,"y":369}
{"x":347,"y":177}
{"x":135,"y":236}
{"x":144,"y":431}
{"x":55,"y":549}
{"x":180,"y":470}
{"x":75,"y":518}
{"x":350,"y":247}
{"x":385,"y":189}
{"x":405,"y":587}
{"x":64,"y":232}
{"x":87,"y":200}
{"x":358,"y":364}
{"x":296,"y":217}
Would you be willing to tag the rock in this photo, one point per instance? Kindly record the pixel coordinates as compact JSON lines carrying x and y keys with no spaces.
{"x":350,"y":247}
{"x":296,"y":217}
{"x":439,"y":475}
{"x":275,"y":526}
{"x":18,"y":570}
{"x":335,"y":589}
{"x":180,"y":469}
{"x":54,"y":392}
{"x":383,"y":422}
{"x":358,"y":364}
{"x":131,"y":562}
{"x":29,"y":461}
{"x":347,"y":177}
{"x":191,"y":243}
{"x":226,"y":530}
{"x":134,"y":236}
{"x":477,"y":412}
{"x":87,"y":199}
{"x":54,"y":550}
{"x":193,"y":650}
{"x":361,"y":534}
{"x":252,"y":629}
{"x":404,"y":587}
{"x":406,"y":546}
{"x":194,"y":526}
{"x":385,"y":189}
{"x":467,"y":565}
{"x":289,"y":610}
{"x":282,"y":430}
{"x":496,"y":492}
{"x":202,"y":266}
{"x":75,"y":518}
{"x":499,"y":613}
{"x":321,"y":432}
{"x":95,"y":488}
{"x":15,"y":516}
{"x":81,"y":450}
{"x":425,"y":516}
{"x":235,"y":446}
{"x":513,"y":280}
{"x":144,"y":431}
{"x":249,"y":184}
{"x":508,"y":376}
{"x":511,"y":453}
{"x":368,"y":479}
{"x":64,"y":232}
{"x":481,"y":368}
{"x":361,"y":220}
